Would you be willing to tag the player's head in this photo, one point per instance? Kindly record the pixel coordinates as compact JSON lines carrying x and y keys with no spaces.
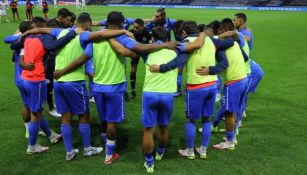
{"x":84,"y":21}
{"x":53,"y":23}
{"x":25,"y":26}
{"x":39,"y":22}
{"x":239,"y":19}
{"x":188,"y":28}
{"x":64,"y":17}
{"x":160,"y":16}
{"x":201,"y":27}
{"x":115,"y":20}
{"x":159,"y":33}
{"x":213,"y":28}
{"x":138,"y":25}
{"x":176,"y":29}
{"x":72,"y":18}
{"x":226,"y":25}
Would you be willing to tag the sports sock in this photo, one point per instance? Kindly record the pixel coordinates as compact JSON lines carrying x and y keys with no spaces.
{"x":44,"y":126}
{"x":206,"y":133}
{"x":67,"y":136}
{"x":33,"y":132}
{"x":85,"y":131}
{"x":190,"y":133}
{"x":110,"y":146}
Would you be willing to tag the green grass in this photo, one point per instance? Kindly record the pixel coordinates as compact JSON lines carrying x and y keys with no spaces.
{"x":273,"y":140}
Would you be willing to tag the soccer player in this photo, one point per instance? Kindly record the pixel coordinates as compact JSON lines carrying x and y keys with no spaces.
{"x":83,"y":4}
{"x":39,"y":4}
{"x":142,"y":35}
{"x":160,"y":20}
{"x":55,"y":4}
{"x":14,"y":7}
{"x":109,"y":78}
{"x":34,"y":83}
{"x":256,"y":75}
{"x":45,"y":9}
{"x":78,"y":5}
{"x":200,"y":92}
{"x":29,"y":10}
{"x":158,"y":100}
{"x":126,"y":24}
{"x":235,"y":84}
{"x":3,"y":6}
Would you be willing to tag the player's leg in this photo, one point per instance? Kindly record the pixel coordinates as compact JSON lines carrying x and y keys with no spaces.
{"x":52,"y":111}
{"x":165,"y":112}
{"x":134,"y":67}
{"x":179,"y":81}
{"x":149,"y":120}
{"x":36,"y":94}
{"x":207,"y":113}
{"x":115,"y":107}
{"x":100,"y":106}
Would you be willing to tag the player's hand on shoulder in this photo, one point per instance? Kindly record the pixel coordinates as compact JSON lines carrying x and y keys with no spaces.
{"x":202,"y":71}
{"x":174,"y":45}
{"x":29,"y":67}
{"x":130,"y":34}
{"x":154,"y":68}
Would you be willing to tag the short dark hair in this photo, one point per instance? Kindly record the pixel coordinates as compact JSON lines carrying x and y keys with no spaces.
{"x":227,"y":24}
{"x":39,"y":21}
{"x":241,"y":16}
{"x":115,"y":18}
{"x":73,"y":17}
{"x":25,"y":26}
{"x":190,"y":27}
{"x":63,"y":12}
{"x":161,"y":11}
{"x":139,"y":21}
{"x":159,"y":33}
{"x":201,"y":27}
{"x":84,"y":18}
{"x":53,"y":23}
{"x":214,"y":25}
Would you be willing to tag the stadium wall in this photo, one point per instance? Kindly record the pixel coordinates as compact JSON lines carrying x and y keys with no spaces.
{"x":216,"y":7}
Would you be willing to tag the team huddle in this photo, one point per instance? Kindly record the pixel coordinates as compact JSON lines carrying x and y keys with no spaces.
{"x":60,"y":56}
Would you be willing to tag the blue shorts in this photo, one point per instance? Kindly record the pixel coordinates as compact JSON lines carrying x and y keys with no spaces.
{"x":157,"y":109}
{"x":110,"y":106}
{"x":36,"y":94}
{"x":22,"y":92}
{"x":71,"y":97}
{"x":233,"y":95}
{"x":89,"y":67}
{"x":200,"y":102}
{"x":256,"y":76}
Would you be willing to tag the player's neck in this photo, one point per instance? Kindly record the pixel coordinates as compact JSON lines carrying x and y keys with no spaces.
{"x":242,"y":27}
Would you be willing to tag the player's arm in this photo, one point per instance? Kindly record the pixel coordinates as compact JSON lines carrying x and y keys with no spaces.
{"x":17,"y":45}
{"x":105,"y":34}
{"x":99,"y":23}
{"x":223,"y":44}
{"x":12,"y":38}
{"x":50,"y":43}
{"x":227,"y":34}
{"x":175,"y":63}
{"x":36,"y":31}
{"x":148,"y":48}
{"x":198,"y":43}
{"x":222,"y":64}
{"x":117,"y":47}
{"x":22,"y":64}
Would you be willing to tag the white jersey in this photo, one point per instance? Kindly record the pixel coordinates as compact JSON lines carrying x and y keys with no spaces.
{"x":3,"y":6}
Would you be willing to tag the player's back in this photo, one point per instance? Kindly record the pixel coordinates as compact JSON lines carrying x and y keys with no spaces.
{"x":34,"y":52}
{"x":161,"y":82}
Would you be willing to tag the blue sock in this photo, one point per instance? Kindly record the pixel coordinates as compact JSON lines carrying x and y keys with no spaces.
{"x":44,"y":126}
{"x":149,"y":159}
{"x":104,"y":138}
{"x":230,"y":135}
{"x":206,"y":133}
{"x":67,"y":136}
{"x":219,"y":117}
{"x":161,"y":149}
{"x":190,"y":133}
{"x":85,"y":131}
{"x":179,"y":82}
{"x":33,"y":132}
{"x":110,"y":146}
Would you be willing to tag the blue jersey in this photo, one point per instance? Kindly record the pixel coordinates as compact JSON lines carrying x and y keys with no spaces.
{"x":248,"y":33}
{"x":168,"y":26}
{"x":127,"y":22}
